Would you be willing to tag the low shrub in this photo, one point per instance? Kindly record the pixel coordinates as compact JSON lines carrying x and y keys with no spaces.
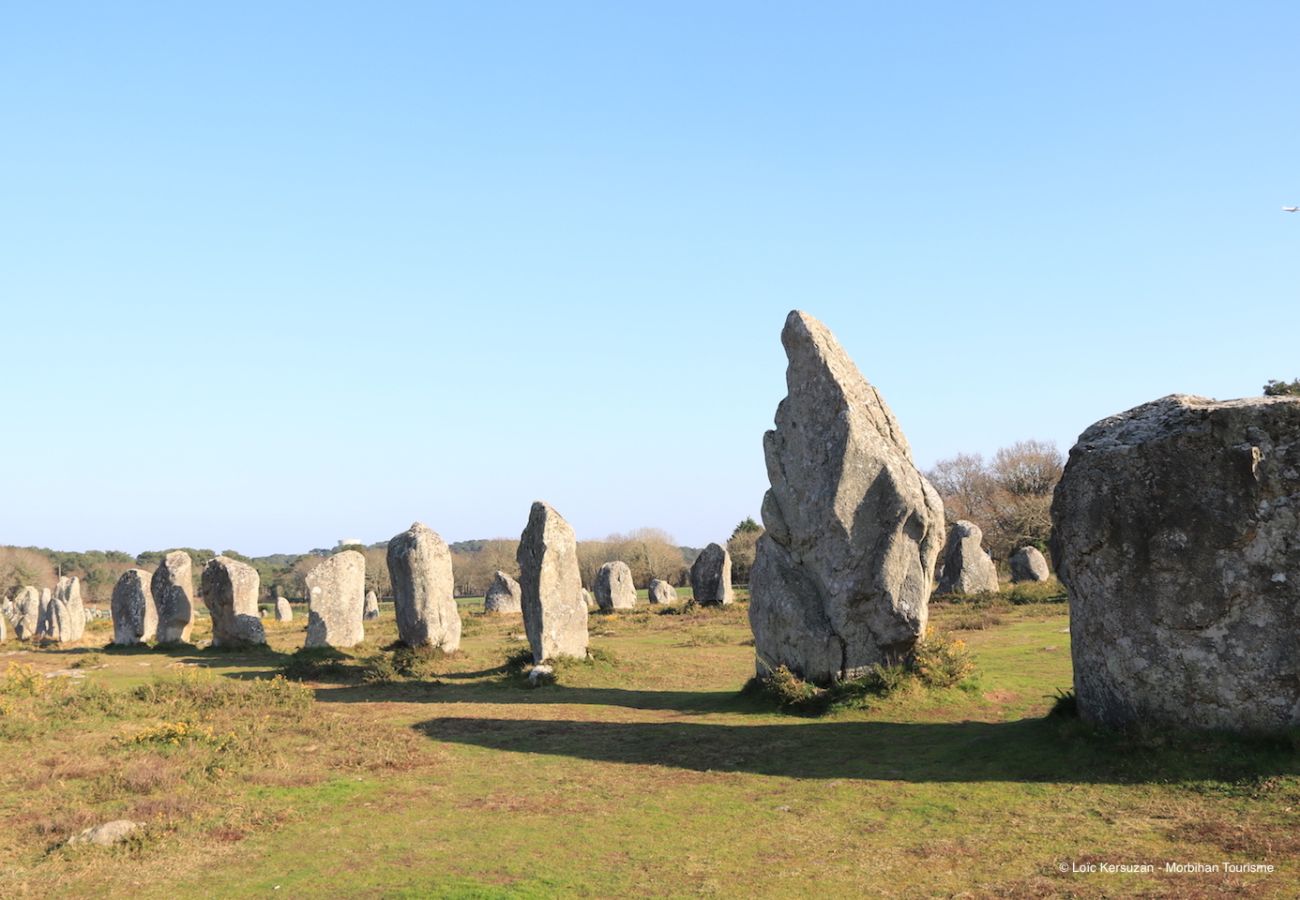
{"x":936,"y":662}
{"x":174,"y":734}
{"x":941,"y":662}
{"x":321,"y":664}
{"x":1025,"y":592}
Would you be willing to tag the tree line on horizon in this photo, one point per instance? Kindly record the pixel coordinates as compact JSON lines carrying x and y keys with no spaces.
{"x":649,"y":553}
{"x":1008,"y":496}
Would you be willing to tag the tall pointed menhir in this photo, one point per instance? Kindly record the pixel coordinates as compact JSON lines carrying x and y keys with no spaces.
{"x":842,"y":577}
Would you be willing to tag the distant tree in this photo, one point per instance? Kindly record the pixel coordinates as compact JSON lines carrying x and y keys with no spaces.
{"x":1275,"y":388}
{"x":741,"y":545}
{"x":1009,"y":498}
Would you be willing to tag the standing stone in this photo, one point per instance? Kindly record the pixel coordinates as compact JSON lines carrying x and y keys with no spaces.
{"x":372,"y":605}
{"x":283,"y":611}
{"x":711,"y":577}
{"x":229,"y":589}
{"x":842,"y":576}
{"x":585,"y":596}
{"x":967,"y":569}
{"x":27,"y":613}
{"x":419,"y":566}
{"x":503,"y":596}
{"x":46,"y":598}
{"x":1176,"y":528}
{"x":555,"y":614}
{"x":173,"y":594}
{"x":613,"y":587}
{"x":1028,"y":564}
{"x":661,"y":591}
{"x":135,"y":618}
{"x":4,"y":624}
{"x":336,"y":591}
{"x":64,"y":615}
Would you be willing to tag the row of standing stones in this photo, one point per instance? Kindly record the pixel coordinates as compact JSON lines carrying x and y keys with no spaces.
{"x":160,"y":607}
{"x":44,"y":615}
{"x":1175,"y":528}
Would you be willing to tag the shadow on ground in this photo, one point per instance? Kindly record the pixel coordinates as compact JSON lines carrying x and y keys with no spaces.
{"x":502,"y":691}
{"x":1046,"y":750}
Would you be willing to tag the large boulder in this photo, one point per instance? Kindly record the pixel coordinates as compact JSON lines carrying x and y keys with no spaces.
{"x":503,"y":595}
{"x":555,"y":613}
{"x":1176,"y":528}
{"x":64,"y":616}
{"x":613,"y":587}
{"x":967,"y":569}
{"x":661,"y":591}
{"x":229,"y":589}
{"x":172,"y":586}
{"x":424,"y":603}
{"x":372,"y":606}
{"x":336,"y":591}
{"x":1028,"y":564}
{"x":842,"y":575}
{"x":26,"y":613}
{"x":135,"y":618}
{"x":711,"y":577}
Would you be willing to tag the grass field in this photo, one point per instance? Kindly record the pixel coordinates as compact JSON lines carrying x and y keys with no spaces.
{"x":644,"y":772}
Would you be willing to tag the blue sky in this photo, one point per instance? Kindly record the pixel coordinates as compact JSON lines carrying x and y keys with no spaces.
{"x":273,"y":274}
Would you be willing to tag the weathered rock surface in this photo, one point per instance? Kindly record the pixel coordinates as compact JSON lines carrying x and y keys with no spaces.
{"x":64,"y":615}
{"x":419,"y":566}
{"x":661,"y":592}
{"x":1028,"y":564}
{"x":372,"y":606}
{"x":46,"y":597}
{"x":613,"y":588}
{"x":283,"y":610}
{"x":230,"y":590}
{"x":585,"y":596}
{"x":135,"y":618}
{"x":336,"y":590}
{"x":711,"y":577}
{"x":555,"y":613}
{"x":842,"y":576}
{"x":107,"y":834}
{"x":173,"y":595}
{"x":27,"y":613}
{"x":1176,"y":528}
{"x":967,"y":569}
{"x":503,"y":596}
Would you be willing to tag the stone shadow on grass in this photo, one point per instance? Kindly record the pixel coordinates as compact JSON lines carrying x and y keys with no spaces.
{"x":1028,"y":750}
{"x":452,"y":690}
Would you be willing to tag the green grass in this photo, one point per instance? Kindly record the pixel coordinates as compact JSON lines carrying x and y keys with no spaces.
{"x":643,"y":772}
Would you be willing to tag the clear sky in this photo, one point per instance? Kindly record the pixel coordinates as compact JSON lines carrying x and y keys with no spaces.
{"x":274,"y":274}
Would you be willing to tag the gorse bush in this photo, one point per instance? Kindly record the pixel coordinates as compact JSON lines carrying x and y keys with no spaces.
{"x":1049,"y":591}
{"x":941,"y":662}
{"x":174,"y":734}
{"x":936,"y":662}
{"x":322,"y":664}
{"x":22,"y":680}
{"x":202,"y":691}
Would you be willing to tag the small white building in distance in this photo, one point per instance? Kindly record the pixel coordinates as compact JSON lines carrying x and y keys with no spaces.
{"x":350,"y":542}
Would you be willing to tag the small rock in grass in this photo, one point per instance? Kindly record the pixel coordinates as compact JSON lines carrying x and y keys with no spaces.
{"x":540,"y":675}
{"x":107,"y":834}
